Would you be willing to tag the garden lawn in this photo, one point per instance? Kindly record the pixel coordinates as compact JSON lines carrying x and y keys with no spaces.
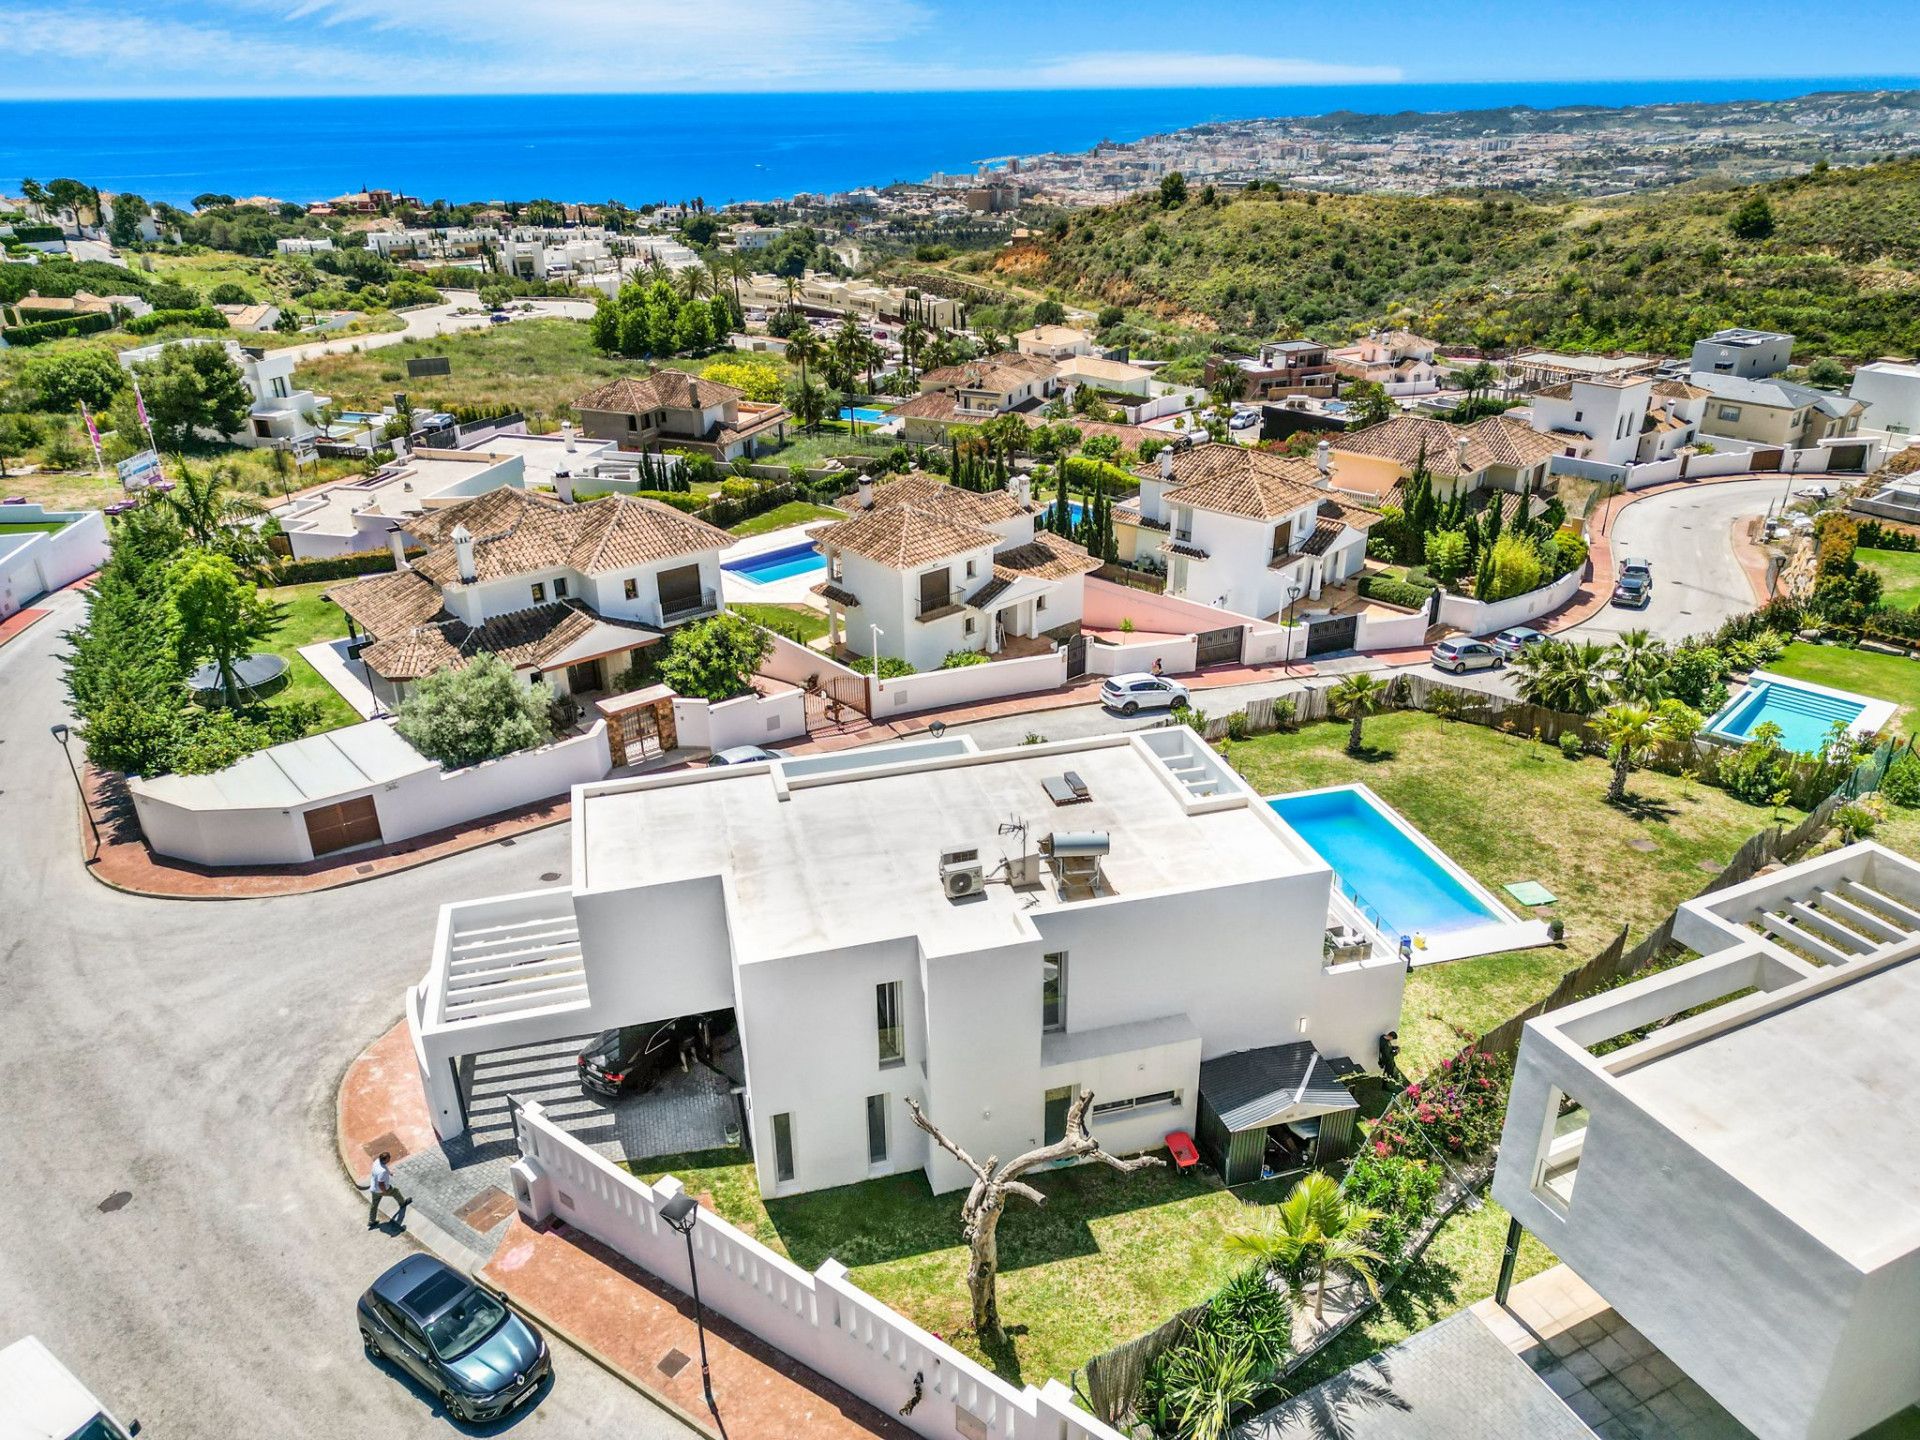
{"x":1508,"y":809}
{"x":32,"y":527}
{"x":794,"y":512}
{"x":832,"y":441}
{"x":1865,"y":672}
{"x":310,"y":618}
{"x":1108,"y":1258}
{"x":252,"y":472}
{"x":1899,"y":572}
{"x":796,"y":622}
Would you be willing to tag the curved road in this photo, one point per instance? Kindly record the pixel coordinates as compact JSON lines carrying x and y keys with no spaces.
{"x":189,"y":1053}
{"x":1698,"y":582}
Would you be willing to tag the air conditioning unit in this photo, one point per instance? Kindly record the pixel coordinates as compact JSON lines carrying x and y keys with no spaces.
{"x":961,"y":873}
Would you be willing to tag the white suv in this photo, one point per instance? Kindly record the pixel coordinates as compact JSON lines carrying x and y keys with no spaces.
{"x":1130,"y":694}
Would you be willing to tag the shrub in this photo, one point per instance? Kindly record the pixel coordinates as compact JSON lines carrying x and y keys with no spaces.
{"x":714,"y":659}
{"x":1285,"y":708}
{"x":1901,"y":784}
{"x":39,"y":331}
{"x":1512,"y":567}
{"x":1401,"y":1188}
{"x":960,"y":659}
{"x":1860,"y":819}
{"x":1569,"y":552}
{"x":1570,"y":745}
{"x":336,"y":567}
{"x":892,"y":667}
{"x":1237,"y":725}
{"x":203,"y":317}
{"x":679,"y":500}
{"x":1458,"y":1111}
{"x":476,"y":713}
{"x":1389,"y":591}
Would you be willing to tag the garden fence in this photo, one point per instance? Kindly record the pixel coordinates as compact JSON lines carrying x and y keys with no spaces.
{"x":1114,"y":1376}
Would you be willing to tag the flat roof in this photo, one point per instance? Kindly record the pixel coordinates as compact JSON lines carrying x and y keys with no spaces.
{"x":300,"y":772}
{"x":1808,"y":1106}
{"x":850,"y":858}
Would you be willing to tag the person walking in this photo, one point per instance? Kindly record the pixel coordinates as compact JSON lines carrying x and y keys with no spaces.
{"x":379,"y":1186}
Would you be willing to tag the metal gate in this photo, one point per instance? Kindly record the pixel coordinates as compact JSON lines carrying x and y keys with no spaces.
{"x":1335,"y":634}
{"x":1216,"y":647}
{"x":1076,"y":657}
{"x":1762,"y":461}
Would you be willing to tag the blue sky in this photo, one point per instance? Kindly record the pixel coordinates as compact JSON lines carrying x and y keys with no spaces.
{"x":322,"y":47}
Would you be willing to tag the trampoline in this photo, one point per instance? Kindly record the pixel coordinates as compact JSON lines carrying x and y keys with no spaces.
{"x":255,"y":674}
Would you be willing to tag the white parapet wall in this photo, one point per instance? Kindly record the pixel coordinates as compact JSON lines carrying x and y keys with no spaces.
{"x":822,"y":1319}
{"x":1175,"y":654}
{"x":997,"y":679}
{"x":744,"y":720}
{"x":1475,"y":618}
{"x":34,"y":562}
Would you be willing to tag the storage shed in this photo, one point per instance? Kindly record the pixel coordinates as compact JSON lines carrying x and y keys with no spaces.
{"x":1275,"y":1109}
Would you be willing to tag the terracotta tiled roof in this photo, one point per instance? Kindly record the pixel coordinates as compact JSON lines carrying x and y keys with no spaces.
{"x":939,"y":405}
{"x":930,"y":492}
{"x":903,"y":537}
{"x":1325,"y":531}
{"x":1494,"y":440}
{"x":1678,"y":390}
{"x":385,"y":605}
{"x":838,"y":594}
{"x":515,"y":532}
{"x":1046,"y":557}
{"x":1180,"y":547}
{"x":1236,"y":480}
{"x":668,"y":390}
{"x":995,"y":587}
{"x":522,"y":638}
{"x":1006,"y":370}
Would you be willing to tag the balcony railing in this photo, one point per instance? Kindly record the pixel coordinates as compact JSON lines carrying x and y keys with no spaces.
{"x":932,"y":604}
{"x":672,"y":612}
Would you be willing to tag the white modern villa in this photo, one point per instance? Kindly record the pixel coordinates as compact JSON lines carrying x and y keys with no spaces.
{"x":280,"y":411}
{"x":928,"y":568}
{"x":985,"y":933}
{"x":1620,"y":419}
{"x":1729,"y":1151}
{"x":364,"y":514}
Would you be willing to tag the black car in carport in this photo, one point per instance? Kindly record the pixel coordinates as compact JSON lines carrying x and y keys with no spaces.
{"x":478,"y":1358}
{"x":630,"y":1059}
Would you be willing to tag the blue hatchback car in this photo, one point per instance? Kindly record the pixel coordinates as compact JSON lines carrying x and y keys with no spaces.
{"x":473,"y":1353}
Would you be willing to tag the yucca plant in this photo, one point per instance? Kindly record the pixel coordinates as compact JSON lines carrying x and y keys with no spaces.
{"x":1194,"y":1387}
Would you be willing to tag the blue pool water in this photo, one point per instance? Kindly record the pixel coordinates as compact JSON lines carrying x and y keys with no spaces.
{"x":864,"y":414}
{"x":1804,"y":716}
{"x":1377,"y":863}
{"x":1076,"y":512}
{"x":782,"y":564}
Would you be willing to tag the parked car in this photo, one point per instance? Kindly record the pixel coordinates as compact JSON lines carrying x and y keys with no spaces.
{"x":1461,"y":653}
{"x":1513,"y":642}
{"x":1641,"y":568}
{"x":1130,"y":694}
{"x":498,"y":317}
{"x":741,"y":755}
{"x":1244,"y":420}
{"x":40,"y":1396}
{"x":475,"y":1355}
{"x":631,"y":1058}
{"x":1633,"y":589}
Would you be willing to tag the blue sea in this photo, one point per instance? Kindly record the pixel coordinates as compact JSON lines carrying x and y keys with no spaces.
{"x":722,"y":148}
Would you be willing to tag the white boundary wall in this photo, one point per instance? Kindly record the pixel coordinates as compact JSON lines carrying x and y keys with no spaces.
{"x":1469,"y":615}
{"x":51,"y":559}
{"x":932,"y":689}
{"x":823,"y":1320}
{"x":1176,"y":656}
{"x":744,"y":720}
{"x":793,"y":662}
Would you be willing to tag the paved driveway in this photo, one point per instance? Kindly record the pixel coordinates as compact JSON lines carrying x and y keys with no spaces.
{"x":431,"y":320}
{"x":1698,"y":582}
{"x":186,"y":1056}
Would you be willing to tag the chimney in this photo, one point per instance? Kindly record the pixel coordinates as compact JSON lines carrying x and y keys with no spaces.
{"x":463,"y":554}
{"x":1021,"y":484}
{"x":1323,"y":457}
{"x":1166,"y":463}
{"x":863,"y":497}
{"x":399,"y":548}
{"x":566,"y":429}
{"x":1460,"y":454}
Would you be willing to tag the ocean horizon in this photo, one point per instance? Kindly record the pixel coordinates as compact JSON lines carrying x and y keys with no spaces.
{"x":722,"y":148}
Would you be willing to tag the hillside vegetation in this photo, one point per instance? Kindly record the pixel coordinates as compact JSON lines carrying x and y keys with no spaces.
{"x":1834,"y":257}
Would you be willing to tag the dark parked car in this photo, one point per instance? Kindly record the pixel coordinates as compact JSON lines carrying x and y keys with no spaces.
{"x":1634,"y":588}
{"x":628,"y":1061}
{"x":476,"y":1356}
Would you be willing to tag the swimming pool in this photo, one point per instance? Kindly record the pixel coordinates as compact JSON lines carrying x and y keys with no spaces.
{"x":1805,"y":714}
{"x":1076,"y":512}
{"x":1383,"y":864}
{"x":865,"y":414}
{"x":782,"y":564}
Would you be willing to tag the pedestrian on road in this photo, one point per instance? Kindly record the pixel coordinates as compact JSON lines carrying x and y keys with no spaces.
{"x":379,"y":1186}
{"x":1158,"y":667}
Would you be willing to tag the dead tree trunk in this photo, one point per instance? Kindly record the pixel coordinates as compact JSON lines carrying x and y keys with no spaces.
{"x":994,"y":1182}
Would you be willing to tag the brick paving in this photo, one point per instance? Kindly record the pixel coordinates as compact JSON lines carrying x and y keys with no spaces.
{"x":19,"y":622}
{"x":643,"y":1329}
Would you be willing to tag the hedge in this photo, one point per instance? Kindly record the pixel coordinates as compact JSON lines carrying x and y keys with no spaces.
{"x":36,"y":234}
{"x":205,"y":317}
{"x":336,"y":567}
{"x":1087,"y":474}
{"x":43,"y":330}
{"x":1394,"y":592}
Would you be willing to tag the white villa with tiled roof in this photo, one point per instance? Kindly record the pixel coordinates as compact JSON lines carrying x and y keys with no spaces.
{"x":673,"y":410}
{"x":562,"y":593}
{"x":939,"y":569}
{"x":1244,"y":530}
{"x":1494,"y":453}
{"x":1620,"y":419}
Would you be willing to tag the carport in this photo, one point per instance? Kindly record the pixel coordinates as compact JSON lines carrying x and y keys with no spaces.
{"x":1279,"y":1103}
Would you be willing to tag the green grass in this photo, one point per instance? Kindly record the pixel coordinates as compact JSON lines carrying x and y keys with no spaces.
{"x":253,"y":474}
{"x":794,"y":512}
{"x":32,"y":527}
{"x":310,"y":618}
{"x":1109,"y":1257}
{"x":797,"y":622}
{"x":1865,"y":672}
{"x":1508,"y":809}
{"x":832,"y":441}
{"x":1899,"y":572}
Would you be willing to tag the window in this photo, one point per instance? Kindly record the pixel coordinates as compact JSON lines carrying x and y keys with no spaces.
{"x":783,"y":1147}
{"x":892,"y":1034}
{"x":973,"y":568}
{"x":1058,"y":1103}
{"x":1039,"y":603}
{"x":559,"y":587}
{"x":1729,"y":412}
{"x":633,"y":422}
{"x":1053,"y":991}
{"x":876,"y":1129}
{"x":539,"y":591}
{"x":1138,"y":1102}
{"x":969,"y":625}
{"x":632,"y":588}
{"x":1578,"y":416}
{"x":1558,"y":1164}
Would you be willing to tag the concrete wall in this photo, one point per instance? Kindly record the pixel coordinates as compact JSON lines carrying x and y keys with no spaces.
{"x":50,"y":559}
{"x":933,"y":689}
{"x":822,"y":1319}
{"x":1175,"y":654}
{"x":1382,"y":631}
{"x":1463,"y":613}
{"x":746,"y":720}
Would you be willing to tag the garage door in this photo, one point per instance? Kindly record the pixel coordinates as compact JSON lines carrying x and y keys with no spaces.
{"x":336,"y":827}
{"x":1218,"y":646}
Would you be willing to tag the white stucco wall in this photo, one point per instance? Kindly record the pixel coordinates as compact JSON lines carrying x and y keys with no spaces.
{"x":967,"y":683}
{"x":1465,"y":613}
{"x":746,"y":720}
{"x":47,"y":560}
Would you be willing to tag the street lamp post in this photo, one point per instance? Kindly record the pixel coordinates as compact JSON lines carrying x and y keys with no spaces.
{"x":681,"y":1212}
{"x":64,"y":736}
{"x":1293,"y":594}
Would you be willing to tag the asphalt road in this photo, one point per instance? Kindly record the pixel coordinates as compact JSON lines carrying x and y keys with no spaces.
{"x":431,"y":320}
{"x":187,"y":1054}
{"x":1687,"y":534}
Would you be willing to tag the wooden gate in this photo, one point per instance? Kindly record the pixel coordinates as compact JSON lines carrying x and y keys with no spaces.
{"x":1076,"y":657}
{"x":342,"y":826}
{"x":1762,"y":461}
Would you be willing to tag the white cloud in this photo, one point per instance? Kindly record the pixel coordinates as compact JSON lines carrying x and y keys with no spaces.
{"x":69,"y":51}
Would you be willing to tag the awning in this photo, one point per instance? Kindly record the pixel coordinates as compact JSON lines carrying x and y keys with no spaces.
{"x":1252,"y":1089}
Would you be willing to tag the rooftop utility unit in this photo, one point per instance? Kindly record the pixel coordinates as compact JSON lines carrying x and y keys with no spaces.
{"x":1076,"y":859}
{"x":961,"y":873}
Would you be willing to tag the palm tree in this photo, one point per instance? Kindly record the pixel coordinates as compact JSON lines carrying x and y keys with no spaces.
{"x":1355,"y":698}
{"x":694,"y":281}
{"x":1575,"y":679}
{"x":1314,"y":1231}
{"x":803,"y":348}
{"x":1640,"y":666}
{"x":1630,"y":731}
{"x":912,"y":338}
{"x":212,"y":517}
